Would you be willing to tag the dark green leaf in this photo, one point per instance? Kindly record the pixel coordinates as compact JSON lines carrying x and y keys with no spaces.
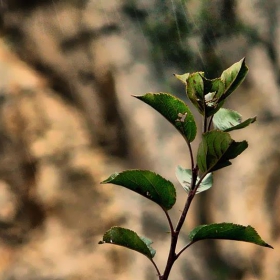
{"x":213,"y":90}
{"x":129,"y":239}
{"x":227,"y":231}
{"x":228,"y":120}
{"x":216,"y":150}
{"x":148,"y":184}
{"x":234,"y":76}
{"x":174,"y":110}
{"x":215,"y":86}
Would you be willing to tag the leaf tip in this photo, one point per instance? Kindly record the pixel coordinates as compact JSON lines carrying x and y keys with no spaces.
{"x":183,"y":78}
{"x":109,"y":180}
{"x":244,"y":62}
{"x":268,"y":246}
{"x":136,"y":96}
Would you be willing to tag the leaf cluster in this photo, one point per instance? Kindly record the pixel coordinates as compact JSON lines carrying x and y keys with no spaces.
{"x":215,"y":151}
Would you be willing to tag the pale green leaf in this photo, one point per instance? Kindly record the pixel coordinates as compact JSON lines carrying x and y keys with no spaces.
{"x":228,"y":120}
{"x":183,"y":78}
{"x":184,"y":176}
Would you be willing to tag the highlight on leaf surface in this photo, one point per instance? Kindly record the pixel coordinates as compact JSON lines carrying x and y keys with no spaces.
{"x":228,"y":120}
{"x":184,"y":176}
{"x":172,"y":108}
{"x":129,"y":239}
{"x":227,"y":231}
{"x":148,"y":184}
{"x":217,"y":149}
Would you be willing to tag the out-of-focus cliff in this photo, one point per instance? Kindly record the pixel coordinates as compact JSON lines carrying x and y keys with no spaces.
{"x":67,"y":70}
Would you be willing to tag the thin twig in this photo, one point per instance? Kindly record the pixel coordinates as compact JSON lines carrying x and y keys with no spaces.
{"x":210,"y":122}
{"x":188,"y":201}
{"x":204,"y":123}
{"x":191,"y":153}
{"x":199,"y":182}
{"x":190,"y":149}
{"x":158,"y":272}
{"x":169,"y":221}
{"x":187,"y":246}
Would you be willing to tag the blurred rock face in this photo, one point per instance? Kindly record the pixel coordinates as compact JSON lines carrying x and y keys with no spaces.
{"x":51,"y":202}
{"x":68,"y":121}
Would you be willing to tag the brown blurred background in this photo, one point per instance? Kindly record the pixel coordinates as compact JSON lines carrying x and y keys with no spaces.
{"x":68,"y":69}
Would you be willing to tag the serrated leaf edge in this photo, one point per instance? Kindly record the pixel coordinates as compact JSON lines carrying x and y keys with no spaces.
{"x":198,"y":228}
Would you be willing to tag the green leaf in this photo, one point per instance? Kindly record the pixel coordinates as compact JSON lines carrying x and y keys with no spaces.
{"x":233,"y":77}
{"x":129,"y":239}
{"x":184,"y":176}
{"x":147,"y":184}
{"x":228,"y":120}
{"x":203,"y":93}
{"x":208,"y":95}
{"x":227,"y":231}
{"x":216,"y":150}
{"x":174,"y":110}
{"x":195,"y":90}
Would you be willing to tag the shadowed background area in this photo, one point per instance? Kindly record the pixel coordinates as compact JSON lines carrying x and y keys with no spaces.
{"x":67,"y":121}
